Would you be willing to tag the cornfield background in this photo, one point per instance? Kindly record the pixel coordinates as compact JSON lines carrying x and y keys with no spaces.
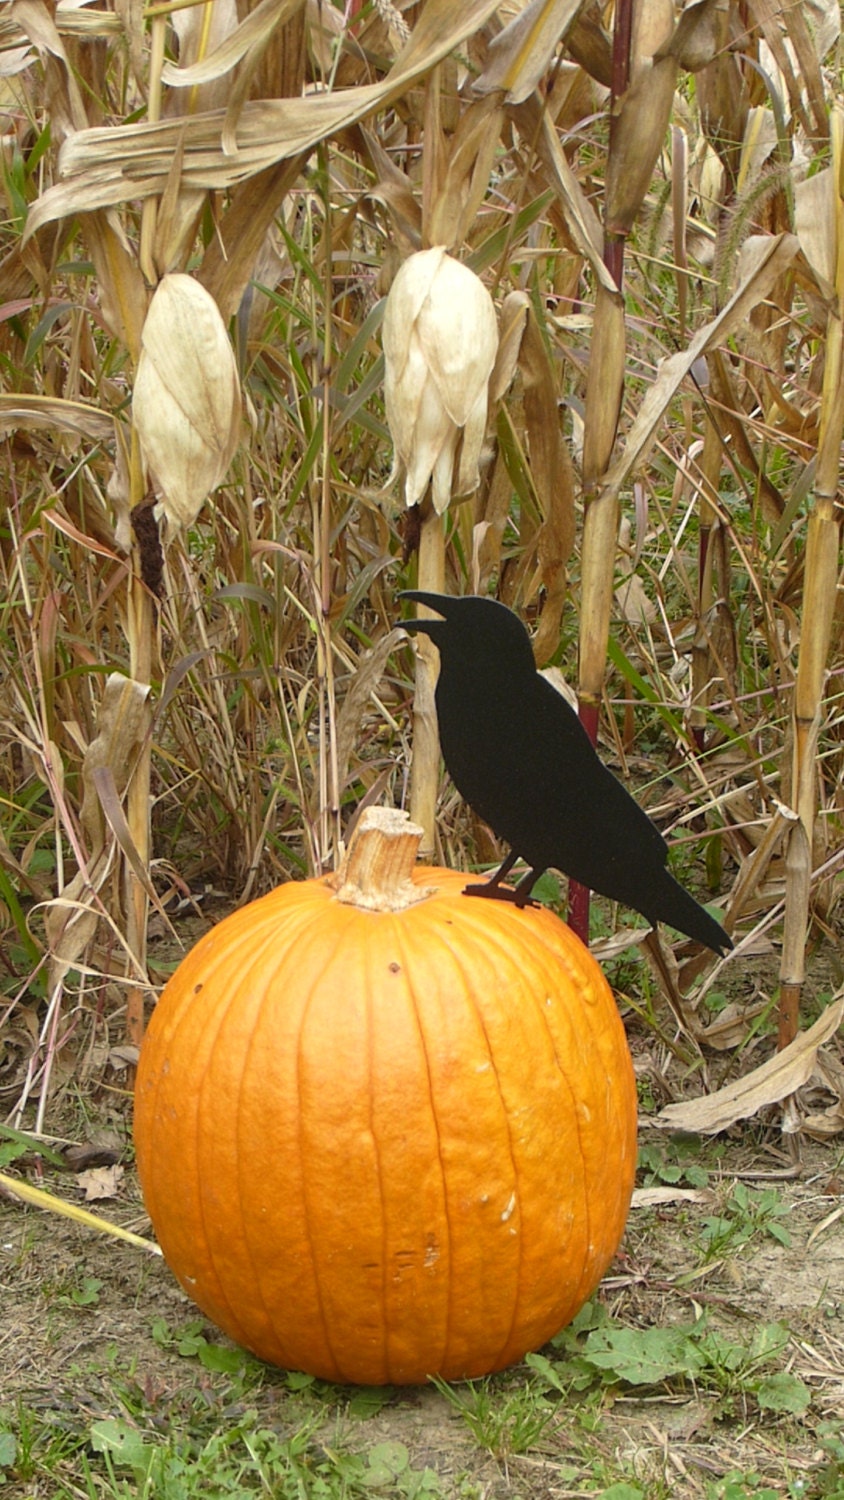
{"x":654,"y":196}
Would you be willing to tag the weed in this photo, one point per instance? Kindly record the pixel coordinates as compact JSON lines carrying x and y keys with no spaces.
{"x":829,"y":1478}
{"x":685,"y":1170}
{"x":85,"y":1294}
{"x":122,"y":1459}
{"x":33,"y":1445}
{"x":248,"y":1460}
{"x":8,"y":1451}
{"x":738,"y":1486}
{"x":504,"y":1424}
{"x":190,"y":1342}
{"x":681,"y":1356}
{"x":747,"y":1213}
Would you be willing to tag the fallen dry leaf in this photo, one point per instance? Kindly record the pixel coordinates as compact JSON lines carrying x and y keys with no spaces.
{"x":776,"y":1079}
{"x":100,"y":1182}
{"x":652,"y":1197}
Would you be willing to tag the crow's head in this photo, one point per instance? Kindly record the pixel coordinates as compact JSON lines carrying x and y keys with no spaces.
{"x":479,"y":631}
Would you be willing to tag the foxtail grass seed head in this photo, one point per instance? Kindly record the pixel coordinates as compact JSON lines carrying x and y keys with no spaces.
{"x":186,"y":405}
{"x":440,"y":340}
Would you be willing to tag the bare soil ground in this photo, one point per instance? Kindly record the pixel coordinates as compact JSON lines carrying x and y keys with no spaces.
{"x":92,"y":1331}
{"x":77,"y":1346}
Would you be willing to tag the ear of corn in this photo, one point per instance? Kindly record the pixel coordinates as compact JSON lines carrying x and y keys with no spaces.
{"x":440,"y":341}
{"x":186,"y":403}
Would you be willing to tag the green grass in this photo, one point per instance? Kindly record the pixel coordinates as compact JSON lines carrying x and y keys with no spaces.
{"x":204,"y":1419}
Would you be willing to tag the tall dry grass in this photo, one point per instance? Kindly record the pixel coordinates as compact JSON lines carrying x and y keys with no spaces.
{"x":654,"y":201}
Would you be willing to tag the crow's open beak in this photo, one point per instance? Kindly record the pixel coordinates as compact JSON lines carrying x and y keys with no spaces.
{"x":439,"y":602}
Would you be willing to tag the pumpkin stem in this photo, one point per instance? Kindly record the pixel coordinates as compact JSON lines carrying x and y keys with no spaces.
{"x":376,"y":871}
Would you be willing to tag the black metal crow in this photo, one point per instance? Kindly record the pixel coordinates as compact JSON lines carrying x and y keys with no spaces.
{"x":519,"y":755}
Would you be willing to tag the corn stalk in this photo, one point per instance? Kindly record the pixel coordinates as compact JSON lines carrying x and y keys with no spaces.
{"x":641,"y":97}
{"x":824,"y":241}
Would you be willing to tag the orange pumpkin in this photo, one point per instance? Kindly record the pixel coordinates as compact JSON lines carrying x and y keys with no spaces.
{"x":385,"y":1130}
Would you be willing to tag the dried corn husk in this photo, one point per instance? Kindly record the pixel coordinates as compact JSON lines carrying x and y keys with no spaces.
{"x":440,"y":341}
{"x":186,"y":404}
{"x":643,"y":114}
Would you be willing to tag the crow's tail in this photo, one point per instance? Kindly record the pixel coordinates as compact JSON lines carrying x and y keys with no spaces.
{"x":675,"y":906}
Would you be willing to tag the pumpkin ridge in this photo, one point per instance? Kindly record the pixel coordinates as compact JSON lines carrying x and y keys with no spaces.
{"x":598,"y":1042}
{"x":569,"y":960}
{"x":288,"y":930}
{"x":403,"y":944}
{"x":551,"y":951}
{"x":246,"y":969}
{"x":366,"y":947}
{"x":541,"y":953}
{"x":238,"y":1117}
{"x":546,"y":958}
{"x":307,"y":1222}
{"x":469,"y":983}
{"x":444,"y":933}
{"x":371,"y":962}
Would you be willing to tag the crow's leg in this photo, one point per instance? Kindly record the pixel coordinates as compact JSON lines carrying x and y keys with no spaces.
{"x":495,"y":891}
{"x":492,"y":887}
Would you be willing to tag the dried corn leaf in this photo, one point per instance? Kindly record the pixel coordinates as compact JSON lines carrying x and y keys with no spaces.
{"x":775,"y":1080}
{"x":512,"y":320}
{"x":16,"y":1188}
{"x":110,"y":164}
{"x":551,"y":466}
{"x":823,"y":20}
{"x":641,"y":116}
{"x":581,"y":221}
{"x":467,"y":173}
{"x":521,"y":54}
{"x":604,"y":386}
{"x":815,"y":226}
{"x":70,"y":920}
{"x":65,"y":101}
{"x":100,"y":1182}
{"x":396,"y":191}
{"x":121,"y":724}
{"x":822,"y":563}
{"x":15,"y":61}
{"x":364,"y":681}
{"x":229,"y":261}
{"x":796,"y":59}
{"x":86,"y":21}
{"x":658,"y":1197}
{"x":589,"y":44}
{"x":233,"y":45}
{"x":694,"y":40}
{"x":758,"y":146}
{"x":633,"y":603}
{"x":110,"y":801}
{"x":123,"y":295}
{"x":53,"y":414}
{"x":552,"y":474}
{"x":559,"y":683}
{"x":822,"y":1124}
{"x":770,"y":258}
{"x":638,"y":138}
{"x":730,"y":1030}
{"x":755,"y":865}
{"x":176,"y":219}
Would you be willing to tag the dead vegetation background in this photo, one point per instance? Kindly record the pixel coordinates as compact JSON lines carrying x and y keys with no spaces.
{"x":652,"y":195}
